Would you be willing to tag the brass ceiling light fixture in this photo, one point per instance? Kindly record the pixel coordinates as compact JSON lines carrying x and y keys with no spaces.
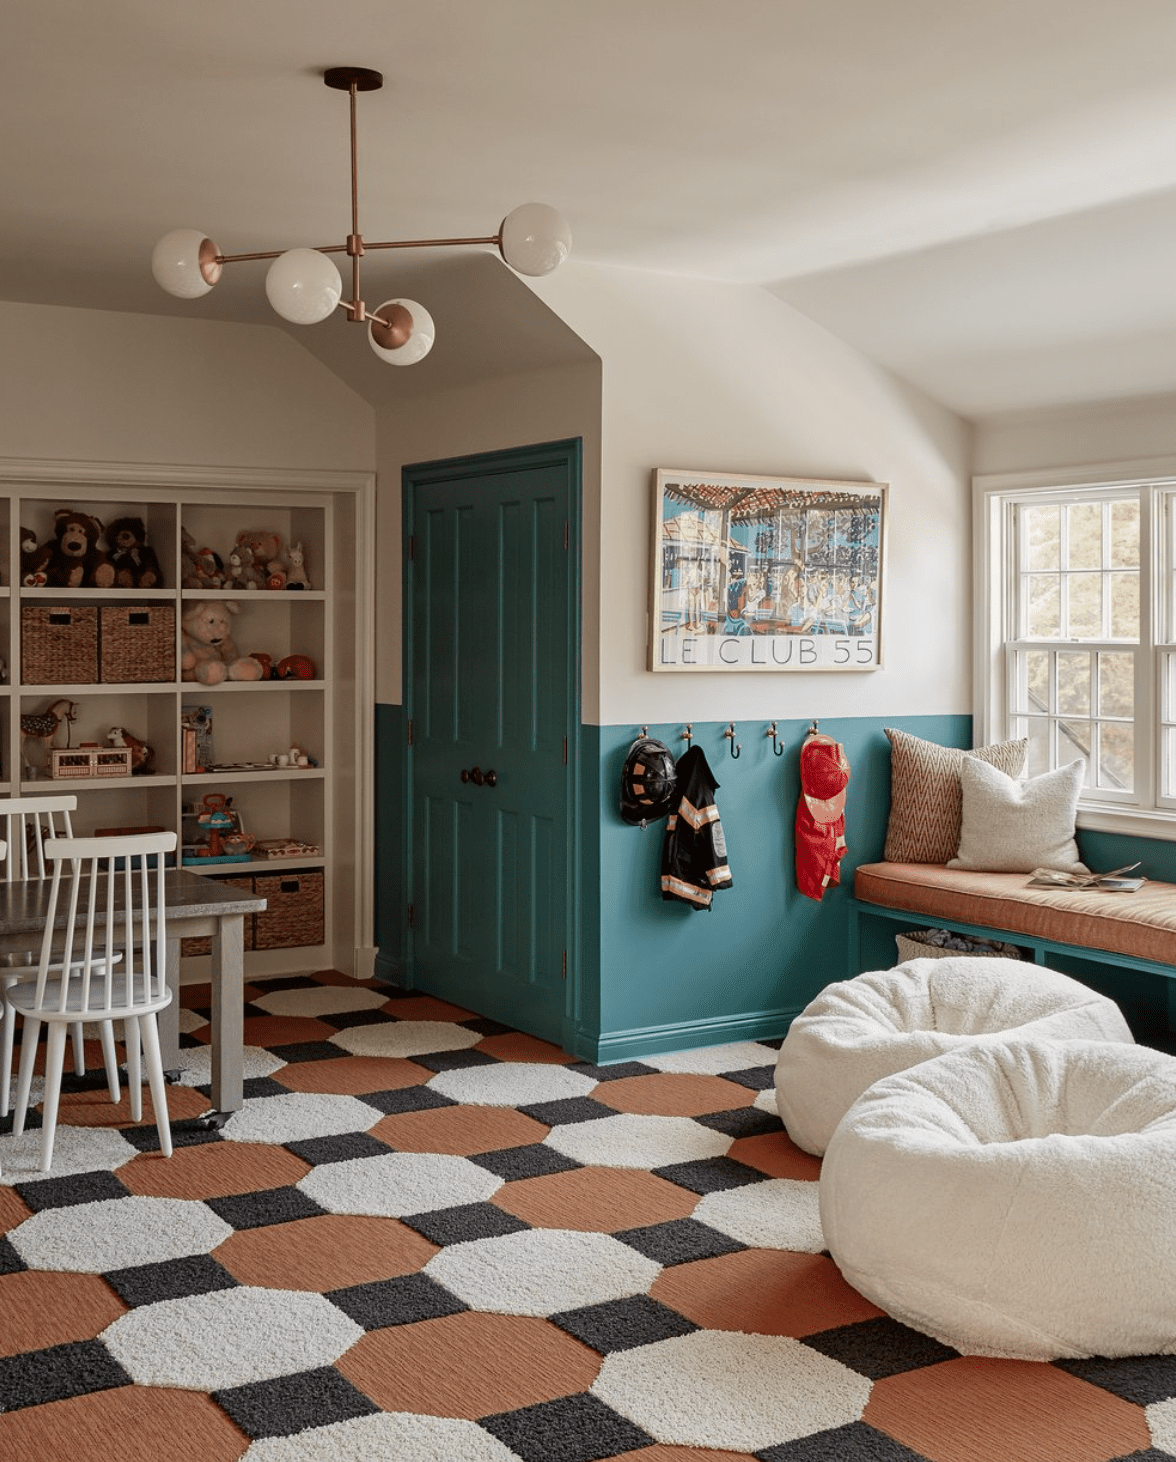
{"x":304,"y":286}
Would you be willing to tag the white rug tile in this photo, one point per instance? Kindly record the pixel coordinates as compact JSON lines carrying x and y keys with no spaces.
{"x":399,"y":1184}
{"x":298,"y":1115}
{"x":117,"y":1233}
{"x":75,"y":1150}
{"x":320,"y":1000}
{"x":627,"y":1141}
{"x":391,"y":1436}
{"x":512,"y":1084}
{"x":406,"y":1038}
{"x":714,"y":1060}
{"x":780,"y":1213}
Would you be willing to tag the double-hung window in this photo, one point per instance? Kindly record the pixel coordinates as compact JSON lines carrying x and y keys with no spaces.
{"x":1076,"y":638}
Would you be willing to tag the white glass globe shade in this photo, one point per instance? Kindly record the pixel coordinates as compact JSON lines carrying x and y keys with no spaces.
{"x":303,"y":286}
{"x":410,"y":337}
{"x":535,"y":239}
{"x":184,"y":263}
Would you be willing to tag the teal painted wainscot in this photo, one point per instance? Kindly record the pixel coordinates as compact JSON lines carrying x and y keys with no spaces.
{"x":648,"y":976}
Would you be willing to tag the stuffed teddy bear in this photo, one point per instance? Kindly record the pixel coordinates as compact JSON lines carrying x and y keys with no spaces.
{"x":75,"y":560}
{"x":210,"y":653}
{"x":33,"y":560}
{"x":135,"y":564}
{"x":266,"y":550}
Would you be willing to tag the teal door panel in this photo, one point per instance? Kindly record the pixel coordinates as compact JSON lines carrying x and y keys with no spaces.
{"x":492,"y":692}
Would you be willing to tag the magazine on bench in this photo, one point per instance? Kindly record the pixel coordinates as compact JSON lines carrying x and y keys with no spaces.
{"x":1112,"y":882}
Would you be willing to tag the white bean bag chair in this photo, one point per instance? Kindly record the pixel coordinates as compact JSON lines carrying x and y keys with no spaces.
{"x":860,"y":1030}
{"x":1015,"y":1199}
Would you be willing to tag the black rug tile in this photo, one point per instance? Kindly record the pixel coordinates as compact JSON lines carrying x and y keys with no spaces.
{"x":857,"y":1442}
{"x":342,"y":1148}
{"x":567,"y":1109}
{"x":464,"y":1223}
{"x":536,"y":1161}
{"x":616,"y":1072}
{"x":188,"y":1042}
{"x":623,"y":1324}
{"x":395,"y":992}
{"x":742,"y":1122}
{"x":455,"y":1060}
{"x":261,"y":1209}
{"x":710,"y":1174}
{"x":10,"y":1260}
{"x":307,"y":1051}
{"x":39,"y":1376}
{"x":187,"y":1132}
{"x":343,"y":1020}
{"x":879,"y":1348}
{"x":1142,"y":1379}
{"x":486,"y":1027}
{"x":173,"y":1279}
{"x":290,"y":1404}
{"x":70,"y":1191}
{"x":775,"y":1042}
{"x":572,"y":1429}
{"x":400,"y":1301}
{"x":405,"y":1099}
{"x":680,"y":1241}
{"x":290,"y":982}
{"x":253,"y":1012}
{"x":757,"y":1078}
{"x":262,"y":1086}
{"x":32,"y":1119}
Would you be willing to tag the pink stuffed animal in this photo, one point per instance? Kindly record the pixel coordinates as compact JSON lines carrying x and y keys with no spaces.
{"x":210,"y":653}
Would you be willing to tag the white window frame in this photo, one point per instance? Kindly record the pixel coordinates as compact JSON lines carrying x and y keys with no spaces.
{"x":1147,"y":813}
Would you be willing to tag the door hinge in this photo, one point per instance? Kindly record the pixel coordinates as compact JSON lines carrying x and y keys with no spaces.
{"x":411,"y":916}
{"x":567,"y":535}
{"x":410,"y":731}
{"x":411,"y":546}
{"x":565,"y":754}
{"x":565,"y":964}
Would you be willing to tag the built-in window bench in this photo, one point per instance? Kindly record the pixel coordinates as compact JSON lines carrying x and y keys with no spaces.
{"x":1119,"y":943}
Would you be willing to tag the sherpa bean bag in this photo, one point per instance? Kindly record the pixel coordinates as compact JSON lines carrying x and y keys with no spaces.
{"x":859,"y":1030}
{"x":1015,"y":1199}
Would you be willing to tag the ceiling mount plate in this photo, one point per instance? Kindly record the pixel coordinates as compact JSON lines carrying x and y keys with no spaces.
{"x":342,"y":77}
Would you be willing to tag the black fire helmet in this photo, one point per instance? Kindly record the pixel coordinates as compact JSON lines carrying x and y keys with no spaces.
{"x":649,"y":782}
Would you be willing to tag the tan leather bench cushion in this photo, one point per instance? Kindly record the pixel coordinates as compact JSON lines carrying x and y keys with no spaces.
{"x":1141,"y":925}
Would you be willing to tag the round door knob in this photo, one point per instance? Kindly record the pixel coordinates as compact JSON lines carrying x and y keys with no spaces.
{"x":465,"y":776}
{"x":478,"y":777}
{"x":491,"y":779}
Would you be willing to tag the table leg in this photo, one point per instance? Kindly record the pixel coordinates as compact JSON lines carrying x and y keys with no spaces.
{"x":228,"y":1011}
{"x":168,"y":1019}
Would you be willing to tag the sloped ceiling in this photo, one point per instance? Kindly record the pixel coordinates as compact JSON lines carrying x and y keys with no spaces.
{"x":981,"y":196}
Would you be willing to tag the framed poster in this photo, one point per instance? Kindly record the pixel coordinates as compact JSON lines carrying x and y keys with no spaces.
{"x":766,"y":573}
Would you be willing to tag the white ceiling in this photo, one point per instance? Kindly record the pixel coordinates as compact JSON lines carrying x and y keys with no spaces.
{"x":979,"y":194}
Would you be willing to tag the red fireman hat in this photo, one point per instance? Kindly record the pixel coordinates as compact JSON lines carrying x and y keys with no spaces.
{"x":824,"y":775}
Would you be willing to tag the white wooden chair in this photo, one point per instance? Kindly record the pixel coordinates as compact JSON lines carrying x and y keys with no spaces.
{"x":28,"y":822}
{"x":108,"y":963}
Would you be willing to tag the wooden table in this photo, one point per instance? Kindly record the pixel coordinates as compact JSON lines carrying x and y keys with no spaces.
{"x":195,"y":905}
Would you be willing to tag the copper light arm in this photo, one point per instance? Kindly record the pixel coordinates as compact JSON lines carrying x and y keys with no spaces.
{"x":342,"y":248}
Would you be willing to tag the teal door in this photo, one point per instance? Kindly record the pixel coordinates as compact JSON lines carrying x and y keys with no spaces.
{"x":492,"y":670}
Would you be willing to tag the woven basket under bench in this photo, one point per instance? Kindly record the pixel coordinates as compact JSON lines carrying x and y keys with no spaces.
{"x":294,"y":916}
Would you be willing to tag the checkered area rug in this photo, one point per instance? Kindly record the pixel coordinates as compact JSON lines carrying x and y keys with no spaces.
{"x":428,"y":1238}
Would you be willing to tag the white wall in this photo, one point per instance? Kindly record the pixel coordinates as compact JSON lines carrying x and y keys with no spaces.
{"x":92,"y":385}
{"x":727,"y":378}
{"x":1107,"y":431}
{"x":511,"y":411}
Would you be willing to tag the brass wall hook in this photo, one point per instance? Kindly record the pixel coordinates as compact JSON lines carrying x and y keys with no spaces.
{"x":688,"y":734}
{"x":777,"y":745}
{"x":729,"y":734}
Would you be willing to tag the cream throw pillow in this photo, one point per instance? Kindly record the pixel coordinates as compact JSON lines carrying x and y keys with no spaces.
{"x":924,"y":822}
{"x":1015,"y":827}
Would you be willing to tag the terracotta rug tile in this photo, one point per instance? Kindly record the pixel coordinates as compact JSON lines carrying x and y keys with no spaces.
{"x":763,"y":1292}
{"x":196,"y":997}
{"x":284,"y":1030}
{"x":13,"y":1209}
{"x":469,"y":1365}
{"x":975,"y":1410}
{"x":95,"y":1109}
{"x":213,"y":1170}
{"x":352,"y":1075}
{"x":514,"y":1046}
{"x":91,"y":1049}
{"x":131,"y":1423}
{"x":670,"y":1094}
{"x":427,"y":1007}
{"x":329,"y":1252}
{"x":41,"y":1309}
{"x":459,"y":1131}
{"x":597,"y":1200}
{"x":777,"y":1155}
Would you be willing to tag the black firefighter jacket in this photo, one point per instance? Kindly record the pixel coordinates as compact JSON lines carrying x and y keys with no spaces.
{"x":694,"y":854}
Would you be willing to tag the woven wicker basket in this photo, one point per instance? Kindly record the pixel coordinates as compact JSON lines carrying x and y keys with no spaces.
{"x":138,"y":643}
{"x":202,"y":943}
{"x":912,"y":946}
{"x":59,"y":644}
{"x":294,"y":915}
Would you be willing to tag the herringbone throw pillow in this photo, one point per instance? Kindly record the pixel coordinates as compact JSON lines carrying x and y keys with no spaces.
{"x":925,"y":796}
